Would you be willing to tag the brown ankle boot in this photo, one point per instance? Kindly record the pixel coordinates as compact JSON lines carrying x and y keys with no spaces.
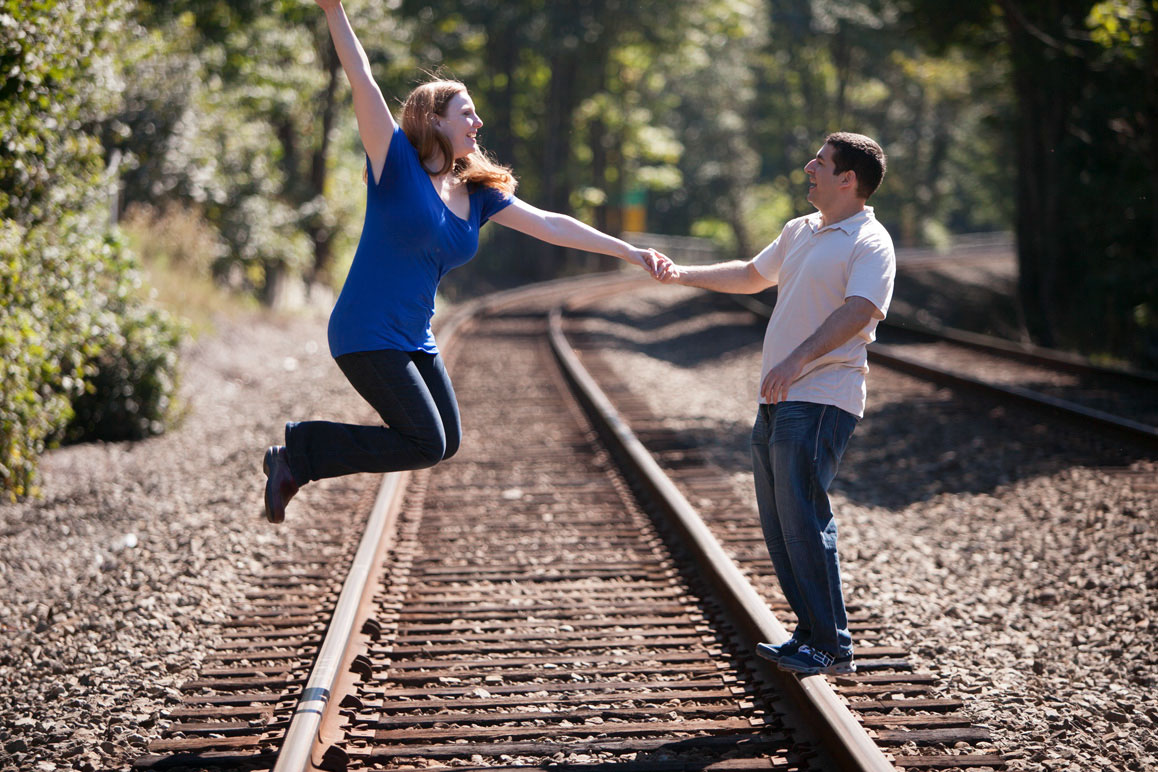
{"x":279,"y":485}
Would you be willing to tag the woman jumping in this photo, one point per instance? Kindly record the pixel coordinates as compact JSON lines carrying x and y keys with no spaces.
{"x":429,"y":190}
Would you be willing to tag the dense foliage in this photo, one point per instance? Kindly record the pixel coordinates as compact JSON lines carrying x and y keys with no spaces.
{"x":699,"y":114}
{"x":1085,"y":80}
{"x":80,"y":355}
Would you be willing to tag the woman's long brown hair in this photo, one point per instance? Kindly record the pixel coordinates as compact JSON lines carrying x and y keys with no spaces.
{"x":431,"y":99}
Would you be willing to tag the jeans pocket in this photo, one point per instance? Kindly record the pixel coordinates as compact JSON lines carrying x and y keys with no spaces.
{"x":821,"y":436}
{"x":761,"y":427}
{"x":836,"y":427}
{"x":843,"y":425}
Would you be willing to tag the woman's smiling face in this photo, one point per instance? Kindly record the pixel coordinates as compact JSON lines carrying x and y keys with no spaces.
{"x":460,"y":125}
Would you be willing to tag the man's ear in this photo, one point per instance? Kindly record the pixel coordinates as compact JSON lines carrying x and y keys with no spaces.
{"x":848,"y":179}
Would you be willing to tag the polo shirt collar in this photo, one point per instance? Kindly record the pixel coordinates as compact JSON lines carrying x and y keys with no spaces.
{"x":849,"y":224}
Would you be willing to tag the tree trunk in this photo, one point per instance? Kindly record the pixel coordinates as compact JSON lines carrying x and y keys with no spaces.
{"x":842,"y":58}
{"x":555,"y":174}
{"x":1152,"y":121}
{"x":1044,"y":85}
{"x":321,"y":234}
{"x":557,"y":140}
{"x":504,"y":58}
{"x":597,"y":136}
{"x":744,"y":249}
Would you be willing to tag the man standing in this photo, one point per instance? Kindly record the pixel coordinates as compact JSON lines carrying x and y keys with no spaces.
{"x":835,"y":271}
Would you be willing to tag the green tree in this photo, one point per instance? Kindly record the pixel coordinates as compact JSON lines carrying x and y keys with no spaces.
{"x":586,"y":101}
{"x":1083,"y":74}
{"x":234,"y":107}
{"x":702,"y":86}
{"x":859,"y":66}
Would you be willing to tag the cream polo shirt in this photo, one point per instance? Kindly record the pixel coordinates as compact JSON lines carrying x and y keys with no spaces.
{"x":816,"y":270}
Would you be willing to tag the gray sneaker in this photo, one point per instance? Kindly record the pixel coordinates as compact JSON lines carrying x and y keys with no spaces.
{"x":810,"y":661}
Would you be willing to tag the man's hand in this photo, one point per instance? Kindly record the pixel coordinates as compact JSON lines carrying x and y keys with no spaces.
{"x":775,"y":386}
{"x":839,"y":327}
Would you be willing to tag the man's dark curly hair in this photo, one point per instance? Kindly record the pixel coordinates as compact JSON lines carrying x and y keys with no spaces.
{"x":860,"y":154}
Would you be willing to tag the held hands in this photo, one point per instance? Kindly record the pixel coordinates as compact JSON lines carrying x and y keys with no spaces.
{"x":659,"y":265}
{"x":666,"y":271}
{"x":648,"y":259}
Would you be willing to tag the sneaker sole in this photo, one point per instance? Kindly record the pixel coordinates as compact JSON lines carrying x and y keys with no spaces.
{"x":845,"y":668}
{"x":265,"y":468}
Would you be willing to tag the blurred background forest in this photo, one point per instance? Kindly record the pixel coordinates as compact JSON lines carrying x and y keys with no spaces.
{"x":213,"y":141}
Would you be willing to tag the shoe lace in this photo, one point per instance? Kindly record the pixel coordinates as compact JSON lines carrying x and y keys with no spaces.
{"x":823,"y":657}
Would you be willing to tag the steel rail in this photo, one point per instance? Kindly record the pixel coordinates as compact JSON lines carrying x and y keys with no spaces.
{"x":302,"y":733}
{"x":1023,"y":352}
{"x":845,"y":739}
{"x":1000,"y":347}
{"x":1135,"y":430}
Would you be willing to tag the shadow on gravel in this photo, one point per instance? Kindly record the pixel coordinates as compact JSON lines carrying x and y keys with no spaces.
{"x":715,"y":329}
{"x":953,"y":443}
{"x":907,"y":453}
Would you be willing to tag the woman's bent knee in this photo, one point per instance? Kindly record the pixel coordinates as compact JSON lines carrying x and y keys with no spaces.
{"x":452,"y":446}
{"x":430,"y":450}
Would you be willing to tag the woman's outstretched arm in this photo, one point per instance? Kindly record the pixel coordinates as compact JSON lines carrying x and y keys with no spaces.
{"x":375,"y":123}
{"x":565,"y":231}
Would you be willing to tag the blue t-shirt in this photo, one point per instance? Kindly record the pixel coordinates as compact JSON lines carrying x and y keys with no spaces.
{"x":410,"y":240}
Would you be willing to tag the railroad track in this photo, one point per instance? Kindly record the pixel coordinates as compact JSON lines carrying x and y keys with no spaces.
{"x":541,"y":600}
{"x":237,"y":709}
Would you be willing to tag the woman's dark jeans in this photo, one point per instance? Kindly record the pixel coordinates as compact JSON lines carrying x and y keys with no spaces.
{"x":411,"y":392}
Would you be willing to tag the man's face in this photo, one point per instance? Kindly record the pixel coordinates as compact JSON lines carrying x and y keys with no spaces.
{"x":823,"y":181}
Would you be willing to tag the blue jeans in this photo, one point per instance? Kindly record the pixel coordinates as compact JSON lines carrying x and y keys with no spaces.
{"x":796,"y":449}
{"x":411,"y":392}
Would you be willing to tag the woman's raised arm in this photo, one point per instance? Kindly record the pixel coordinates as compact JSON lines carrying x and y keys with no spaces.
{"x":375,"y":123}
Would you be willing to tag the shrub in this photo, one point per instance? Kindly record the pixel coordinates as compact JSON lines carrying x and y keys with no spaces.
{"x":79,"y":351}
{"x":82,"y":356}
{"x":130,"y":375}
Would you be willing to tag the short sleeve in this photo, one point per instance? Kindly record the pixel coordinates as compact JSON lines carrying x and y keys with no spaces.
{"x":398,"y":156}
{"x":771,"y":259}
{"x":872,"y":271}
{"x":492,"y":201}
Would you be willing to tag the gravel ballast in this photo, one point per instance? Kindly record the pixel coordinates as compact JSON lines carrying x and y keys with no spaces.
{"x":1014,"y":557}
